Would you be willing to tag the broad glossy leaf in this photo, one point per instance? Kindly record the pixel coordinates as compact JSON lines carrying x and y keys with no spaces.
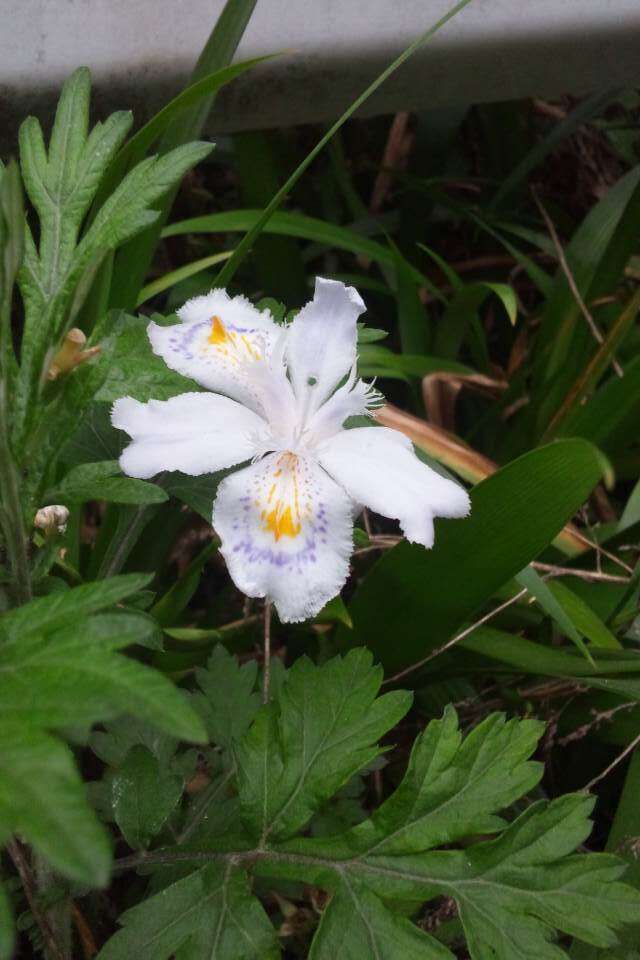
{"x":413,"y":599}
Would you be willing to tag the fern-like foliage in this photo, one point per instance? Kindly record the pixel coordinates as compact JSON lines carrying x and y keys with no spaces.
{"x":521,"y":893}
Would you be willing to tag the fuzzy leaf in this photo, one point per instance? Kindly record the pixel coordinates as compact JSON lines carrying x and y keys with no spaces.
{"x":46,"y":614}
{"x":210,"y":913}
{"x":144,"y":795}
{"x":100,"y":481}
{"x":357,"y":925}
{"x":228,"y":702}
{"x":42,"y":798}
{"x":74,"y":676}
{"x":301,"y":749}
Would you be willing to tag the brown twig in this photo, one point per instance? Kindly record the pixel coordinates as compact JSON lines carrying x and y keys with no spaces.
{"x":31,"y":892}
{"x":266,"y":668}
{"x":456,"y":639}
{"x":564,"y":266}
{"x":87,"y":940}
{"x":599,"y":717}
{"x":621,"y":756}
{"x":592,"y":575}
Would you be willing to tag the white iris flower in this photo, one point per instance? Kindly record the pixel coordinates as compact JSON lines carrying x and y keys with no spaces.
{"x":280,"y":397}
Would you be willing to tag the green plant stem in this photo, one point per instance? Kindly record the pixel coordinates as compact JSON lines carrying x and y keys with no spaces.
{"x":266,"y":669}
{"x":11,"y":515}
{"x":245,"y":245}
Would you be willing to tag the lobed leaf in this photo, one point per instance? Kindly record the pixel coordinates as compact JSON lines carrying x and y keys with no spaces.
{"x":301,"y":749}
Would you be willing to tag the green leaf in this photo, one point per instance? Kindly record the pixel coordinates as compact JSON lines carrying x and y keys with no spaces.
{"x":133,"y":370}
{"x":56,"y":610}
{"x":42,"y":798}
{"x":167,"y":610}
{"x":303,"y":747}
{"x":7,"y":939}
{"x":596,"y":256}
{"x":453,"y":787}
{"x":514,"y":893}
{"x":511,"y":892}
{"x":464,"y":305}
{"x":61,"y":185}
{"x":247,"y":242}
{"x":74,"y":677}
{"x":585,"y":619}
{"x":374,"y":360}
{"x":522,"y":875}
{"x":581,"y":114}
{"x":132,"y":264}
{"x":358,"y":925}
{"x":515,"y":514}
{"x":210,"y":913}
{"x":229,"y":701}
{"x":552,"y":604}
{"x":608,"y":417}
{"x":136,"y":148}
{"x":131,"y":207}
{"x":291,"y":224}
{"x":99,"y":481}
{"x":143,"y":795}
{"x":197,"y":492}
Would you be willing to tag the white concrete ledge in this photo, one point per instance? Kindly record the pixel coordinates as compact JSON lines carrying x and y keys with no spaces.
{"x":141,"y":51}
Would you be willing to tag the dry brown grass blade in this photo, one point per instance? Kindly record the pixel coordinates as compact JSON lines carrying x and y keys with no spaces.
{"x":440,"y":391}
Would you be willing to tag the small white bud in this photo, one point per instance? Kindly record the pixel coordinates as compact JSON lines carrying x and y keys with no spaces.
{"x":52,"y":519}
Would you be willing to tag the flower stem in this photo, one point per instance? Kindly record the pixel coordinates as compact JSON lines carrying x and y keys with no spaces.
{"x":266,"y":671}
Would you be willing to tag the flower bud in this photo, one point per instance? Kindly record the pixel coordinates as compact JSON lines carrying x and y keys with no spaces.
{"x":52,"y":519}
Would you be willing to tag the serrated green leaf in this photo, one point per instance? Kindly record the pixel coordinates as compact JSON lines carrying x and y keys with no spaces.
{"x":229,"y":701}
{"x":210,"y":913}
{"x":119,"y":736}
{"x":320,"y":731}
{"x":46,"y":614}
{"x":42,"y":798}
{"x":512,"y":893}
{"x":133,"y":370}
{"x":99,"y":481}
{"x":129,"y":209}
{"x":74,"y":677}
{"x":143,"y":796}
{"x":357,"y":925}
{"x":454,"y":787}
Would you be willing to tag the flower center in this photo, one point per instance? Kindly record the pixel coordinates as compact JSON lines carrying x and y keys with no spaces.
{"x":281,"y":514}
{"x":234,"y":344}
